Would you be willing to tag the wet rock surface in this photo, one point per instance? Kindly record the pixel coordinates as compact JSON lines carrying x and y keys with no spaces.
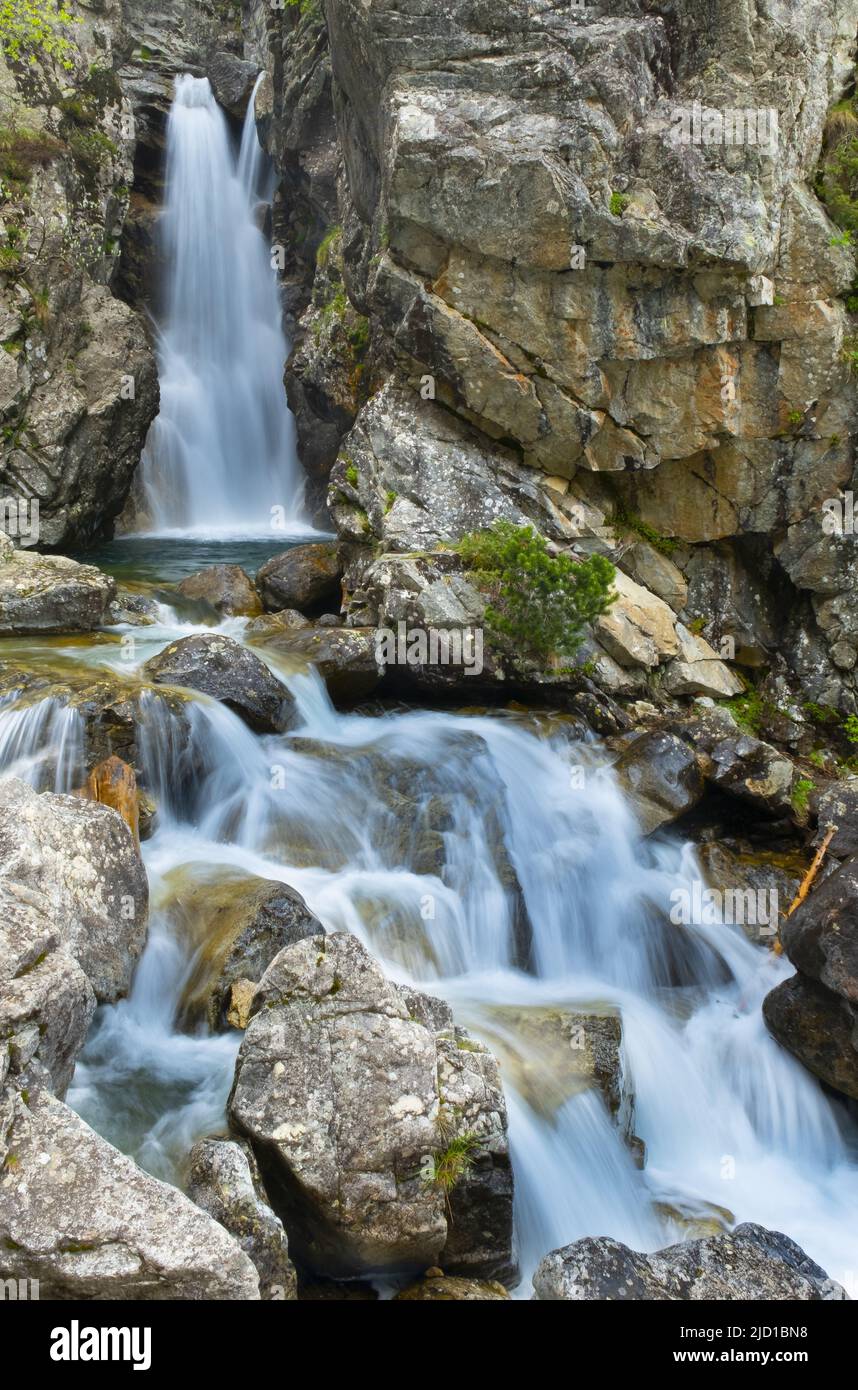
{"x":219,"y":667}
{"x":235,"y":925}
{"x":78,"y":862}
{"x":337,"y":1087}
{"x":748,"y":1263}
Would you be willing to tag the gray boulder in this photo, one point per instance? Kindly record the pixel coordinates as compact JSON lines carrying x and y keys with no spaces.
{"x":662,"y":778}
{"x":306,"y":577}
{"x":217,"y":666}
{"x":749,"y":1263}
{"x":77,"y":862}
{"x":49,"y":593}
{"x":224,"y":1180}
{"x":339,"y":1089}
{"x":84,"y":1220}
{"x":46,"y":1000}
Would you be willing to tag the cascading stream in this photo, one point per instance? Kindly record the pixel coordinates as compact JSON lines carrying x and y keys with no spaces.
{"x":730,"y":1121}
{"x":734,"y":1128}
{"x":220,"y":458}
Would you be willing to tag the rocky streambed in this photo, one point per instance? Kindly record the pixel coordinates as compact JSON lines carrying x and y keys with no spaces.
{"x":396,"y":1005}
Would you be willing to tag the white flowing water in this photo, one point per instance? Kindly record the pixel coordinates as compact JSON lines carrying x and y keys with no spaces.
{"x":220,"y":458}
{"x":731,"y":1123}
{"x":729,"y":1119}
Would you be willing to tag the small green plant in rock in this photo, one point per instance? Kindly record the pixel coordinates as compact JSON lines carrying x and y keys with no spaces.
{"x":541,"y":602}
{"x":850,"y":728}
{"x":619,"y":203}
{"x":451,"y":1164}
{"x":352,"y":475}
{"x":801,"y":795}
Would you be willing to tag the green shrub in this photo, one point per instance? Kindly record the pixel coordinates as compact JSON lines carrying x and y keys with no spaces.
{"x":619,"y":203}
{"x":541,"y":602}
{"x":801,"y":795}
{"x":32,"y":30}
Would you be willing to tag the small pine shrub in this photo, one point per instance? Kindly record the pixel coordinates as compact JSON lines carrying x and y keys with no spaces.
{"x":541,"y":602}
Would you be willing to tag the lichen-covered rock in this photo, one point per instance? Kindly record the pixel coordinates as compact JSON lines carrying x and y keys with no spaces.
{"x":224,"y":1180}
{"x":46,"y":1000}
{"x":234,"y":925}
{"x":217,"y":666}
{"x":337,"y":1087}
{"x":225,"y":588}
{"x":78,"y":860}
{"x":410,"y":475}
{"x":49,"y":593}
{"x":698,"y":670}
{"x":86,"y":1222}
{"x":79,"y":382}
{"x":741,"y":764}
{"x":661,"y":776}
{"x":306,"y":577}
{"x":748,"y":1263}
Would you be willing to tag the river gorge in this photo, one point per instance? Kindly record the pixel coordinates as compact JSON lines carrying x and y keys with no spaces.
{"x":330,"y":971}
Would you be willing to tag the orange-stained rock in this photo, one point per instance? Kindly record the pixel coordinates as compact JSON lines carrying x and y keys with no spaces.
{"x":113,"y":783}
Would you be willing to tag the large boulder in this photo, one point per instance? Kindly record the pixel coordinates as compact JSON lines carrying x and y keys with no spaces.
{"x":49,"y":593}
{"x":217,"y":666}
{"x":817,"y":1027}
{"x":46,"y":1000}
{"x":78,"y":862}
{"x":815,"y":1014}
{"x":224,"y":1180}
{"x":748,"y":1263}
{"x":661,"y":775}
{"x":306,"y":577}
{"x":225,"y":588}
{"x":338,"y":1087}
{"x":234,"y":924}
{"x":86,"y":1222}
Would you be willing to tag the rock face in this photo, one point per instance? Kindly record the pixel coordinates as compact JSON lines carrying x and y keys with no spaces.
{"x":223,"y":1179}
{"x":78,"y":862}
{"x":236,"y":925}
{"x":306,"y":578}
{"x":48,"y":593}
{"x":217,"y":666}
{"x":337,"y":1087}
{"x":87,"y":1222}
{"x":655,"y":335}
{"x":79,"y":385}
{"x":815,"y":1014}
{"x":748,"y":1263}
{"x":46,"y":1000}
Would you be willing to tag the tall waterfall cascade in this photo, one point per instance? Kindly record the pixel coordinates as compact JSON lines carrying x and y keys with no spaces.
{"x":221,"y":457}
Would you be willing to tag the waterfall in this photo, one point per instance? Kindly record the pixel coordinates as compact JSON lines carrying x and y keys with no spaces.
{"x":220,"y":458}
